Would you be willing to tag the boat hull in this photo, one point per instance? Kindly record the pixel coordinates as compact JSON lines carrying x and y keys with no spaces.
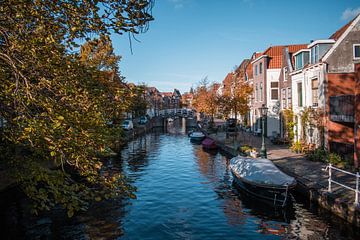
{"x":197,"y":139}
{"x":208,"y":143}
{"x":274,"y":195}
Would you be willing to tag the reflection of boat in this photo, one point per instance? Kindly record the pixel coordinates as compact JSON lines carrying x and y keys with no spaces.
{"x":197,"y":136}
{"x":260,"y":177}
{"x":209,"y":143}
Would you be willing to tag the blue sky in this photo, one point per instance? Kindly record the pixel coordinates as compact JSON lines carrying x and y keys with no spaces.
{"x":191,"y":39}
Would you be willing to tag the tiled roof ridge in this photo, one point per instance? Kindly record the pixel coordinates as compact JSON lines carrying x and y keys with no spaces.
{"x":336,"y":35}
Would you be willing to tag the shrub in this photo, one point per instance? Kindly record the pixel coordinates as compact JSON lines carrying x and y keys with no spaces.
{"x":296,"y":146}
{"x":335,"y":159}
{"x":318,"y":155}
{"x":246,"y":150}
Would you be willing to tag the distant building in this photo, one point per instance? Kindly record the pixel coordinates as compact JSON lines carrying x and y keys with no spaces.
{"x":171,"y":100}
{"x":187,"y":99}
{"x":154,"y":100}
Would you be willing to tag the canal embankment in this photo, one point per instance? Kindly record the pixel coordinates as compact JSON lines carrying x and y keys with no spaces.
{"x":311,"y":176}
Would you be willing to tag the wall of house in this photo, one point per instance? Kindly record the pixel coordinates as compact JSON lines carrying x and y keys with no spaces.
{"x":305,"y":77}
{"x":257,"y":79}
{"x":340,"y":84}
{"x":273,"y":121}
{"x":341,"y":59}
{"x":357,"y":115}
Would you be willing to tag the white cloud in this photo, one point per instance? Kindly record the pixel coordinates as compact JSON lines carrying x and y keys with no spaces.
{"x":177,"y":3}
{"x":350,"y":13}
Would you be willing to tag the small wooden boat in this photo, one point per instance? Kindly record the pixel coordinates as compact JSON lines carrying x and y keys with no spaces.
{"x":261,"y":178}
{"x":209,"y":143}
{"x":197,"y":136}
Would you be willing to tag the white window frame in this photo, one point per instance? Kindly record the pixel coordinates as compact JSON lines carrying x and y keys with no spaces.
{"x":296,"y":62}
{"x":274,"y":88}
{"x":356,"y":45}
{"x":285,"y":70}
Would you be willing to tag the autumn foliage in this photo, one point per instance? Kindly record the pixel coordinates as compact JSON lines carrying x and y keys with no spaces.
{"x":56,"y":100}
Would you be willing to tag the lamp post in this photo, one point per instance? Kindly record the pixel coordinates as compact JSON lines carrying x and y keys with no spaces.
{"x":263,"y":110}
{"x":311,"y":132}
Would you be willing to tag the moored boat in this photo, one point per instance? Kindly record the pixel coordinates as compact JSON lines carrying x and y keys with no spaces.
{"x":197,"y":136}
{"x":260,"y":177}
{"x":209,"y":143}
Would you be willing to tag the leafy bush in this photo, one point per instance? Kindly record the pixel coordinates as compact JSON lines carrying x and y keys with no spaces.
{"x":296,"y":146}
{"x":336,"y":159}
{"x":246,"y":150}
{"x":319,"y":155}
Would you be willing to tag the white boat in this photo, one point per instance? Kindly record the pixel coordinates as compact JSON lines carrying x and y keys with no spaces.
{"x":260,"y":177}
{"x":197,"y":136}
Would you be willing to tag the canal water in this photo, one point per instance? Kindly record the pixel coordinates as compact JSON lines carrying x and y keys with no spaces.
{"x":184,"y":192}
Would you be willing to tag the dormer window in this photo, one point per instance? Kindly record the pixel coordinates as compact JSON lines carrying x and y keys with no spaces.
{"x":356,"y":51}
{"x":301,"y":59}
{"x":315,"y":54}
{"x":318,"y":48}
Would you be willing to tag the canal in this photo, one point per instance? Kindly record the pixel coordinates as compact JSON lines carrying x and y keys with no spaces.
{"x":184,"y":192}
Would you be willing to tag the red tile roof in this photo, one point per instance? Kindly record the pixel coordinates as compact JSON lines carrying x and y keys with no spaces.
{"x":227,"y":80}
{"x":336,"y":35}
{"x":249,"y":71}
{"x":293,"y":49}
{"x":167,"y":94}
{"x":275,"y":54}
{"x":297,"y":47}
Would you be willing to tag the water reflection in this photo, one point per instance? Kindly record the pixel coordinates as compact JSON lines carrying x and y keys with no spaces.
{"x":183,"y":192}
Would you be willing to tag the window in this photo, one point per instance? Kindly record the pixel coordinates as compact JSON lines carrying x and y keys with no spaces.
{"x":274,"y":90}
{"x":356,"y":51}
{"x":256,"y":70}
{"x":261,"y":68}
{"x":261,"y":92}
{"x":315,"y":92}
{"x":299,"y":64}
{"x":289,"y":97}
{"x":285,"y":71}
{"x":256,"y":93}
{"x":299,"y":92}
{"x":315,"y":54}
{"x":283,"y":97}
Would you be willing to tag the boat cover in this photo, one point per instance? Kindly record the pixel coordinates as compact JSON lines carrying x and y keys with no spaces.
{"x":208,"y":142}
{"x":197,"y":134}
{"x":260,"y":171}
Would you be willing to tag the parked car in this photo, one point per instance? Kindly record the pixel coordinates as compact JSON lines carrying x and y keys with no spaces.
{"x":143,"y":120}
{"x":127,"y":125}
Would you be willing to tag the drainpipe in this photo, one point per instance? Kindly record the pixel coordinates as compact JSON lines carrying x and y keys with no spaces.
{"x":326,"y":113}
{"x":357,"y":117}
